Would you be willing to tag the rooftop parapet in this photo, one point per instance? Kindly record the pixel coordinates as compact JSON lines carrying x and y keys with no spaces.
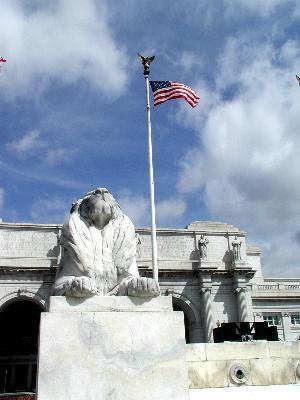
{"x":212,"y":226}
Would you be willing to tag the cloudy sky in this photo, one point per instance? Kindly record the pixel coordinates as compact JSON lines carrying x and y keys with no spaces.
{"x":72,"y":113}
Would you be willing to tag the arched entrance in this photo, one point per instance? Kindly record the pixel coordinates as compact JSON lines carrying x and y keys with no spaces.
{"x":192,"y":323}
{"x":176,"y":307}
{"x":19,"y":331}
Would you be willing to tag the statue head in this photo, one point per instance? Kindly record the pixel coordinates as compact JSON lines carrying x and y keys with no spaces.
{"x":98,"y":211}
{"x":98,"y":207}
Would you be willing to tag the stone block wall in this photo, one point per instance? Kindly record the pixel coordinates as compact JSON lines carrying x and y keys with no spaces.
{"x":247,"y":363}
{"x":31,"y":246}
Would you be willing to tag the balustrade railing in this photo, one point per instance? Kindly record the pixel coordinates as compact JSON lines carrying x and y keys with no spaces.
{"x":268,"y":287}
{"x":292,"y":287}
{"x":277,"y":286}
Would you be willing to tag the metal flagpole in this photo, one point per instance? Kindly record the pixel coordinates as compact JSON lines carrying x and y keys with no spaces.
{"x":146,"y":61}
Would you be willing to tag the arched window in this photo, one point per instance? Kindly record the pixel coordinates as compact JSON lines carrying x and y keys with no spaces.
{"x":19,"y":322}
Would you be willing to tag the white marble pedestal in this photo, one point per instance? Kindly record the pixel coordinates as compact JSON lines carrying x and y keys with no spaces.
{"x":112,"y":348}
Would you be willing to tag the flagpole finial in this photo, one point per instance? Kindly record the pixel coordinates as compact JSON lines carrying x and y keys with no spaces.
{"x":146,"y":61}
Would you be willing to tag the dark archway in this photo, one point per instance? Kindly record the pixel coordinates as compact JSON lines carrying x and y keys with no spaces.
{"x":176,"y":307}
{"x":19,"y":332}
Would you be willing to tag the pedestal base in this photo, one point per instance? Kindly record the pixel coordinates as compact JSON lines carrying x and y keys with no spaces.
{"x":134,"y":354}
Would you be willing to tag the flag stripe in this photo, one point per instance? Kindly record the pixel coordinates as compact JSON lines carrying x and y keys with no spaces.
{"x":182,"y":85}
{"x":167,"y":96}
{"x":179,"y":88}
{"x":176,"y":96}
{"x":175,"y":86}
{"x":166,"y":90}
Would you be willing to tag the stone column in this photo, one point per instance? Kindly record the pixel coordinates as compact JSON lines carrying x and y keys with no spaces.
{"x":242,"y":304}
{"x":208,"y":314}
{"x":286,"y":326}
{"x":195,"y":332}
{"x":59,"y":247}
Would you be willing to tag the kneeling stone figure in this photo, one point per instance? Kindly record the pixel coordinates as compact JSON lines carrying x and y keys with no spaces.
{"x":99,"y":252}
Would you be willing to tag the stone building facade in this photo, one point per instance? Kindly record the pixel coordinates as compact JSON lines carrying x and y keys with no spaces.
{"x":208,"y":268}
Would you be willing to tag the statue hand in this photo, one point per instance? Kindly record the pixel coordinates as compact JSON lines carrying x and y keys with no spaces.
{"x":143,"y":287}
{"x":82,"y":287}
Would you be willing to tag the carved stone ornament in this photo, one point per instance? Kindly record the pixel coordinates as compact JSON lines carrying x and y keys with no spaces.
{"x":239,"y":373}
{"x":22,"y":292}
{"x":241,"y":289}
{"x":99,"y":256}
{"x":206,"y":289}
{"x":285,"y":314}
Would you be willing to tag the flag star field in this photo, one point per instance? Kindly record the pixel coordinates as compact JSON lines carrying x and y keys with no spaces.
{"x":226,"y":148}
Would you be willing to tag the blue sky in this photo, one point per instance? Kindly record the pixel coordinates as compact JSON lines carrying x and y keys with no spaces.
{"x":72,"y":112}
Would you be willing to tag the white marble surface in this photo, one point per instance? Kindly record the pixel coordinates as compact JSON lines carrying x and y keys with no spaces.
{"x":237,"y":350}
{"x":112,"y":355}
{"x":277,"y":392}
{"x":266,"y":363}
{"x":110,"y":303}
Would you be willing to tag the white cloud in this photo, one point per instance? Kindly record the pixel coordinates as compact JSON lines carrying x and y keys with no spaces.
{"x":263,"y":8}
{"x":247,"y":164}
{"x":281,"y":254}
{"x":137,"y":207}
{"x":60,"y":155}
{"x":50,"y":209}
{"x":187,"y":60}
{"x":169,"y":211}
{"x":33,"y":144}
{"x":29,"y":142}
{"x":64,"y":41}
{"x":34,"y":174}
{"x":213,"y":13}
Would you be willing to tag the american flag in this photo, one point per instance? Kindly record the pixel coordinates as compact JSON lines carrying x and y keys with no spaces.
{"x":166,"y":90}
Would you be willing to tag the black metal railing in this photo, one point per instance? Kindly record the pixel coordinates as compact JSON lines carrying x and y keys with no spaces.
{"x":244,"y":331}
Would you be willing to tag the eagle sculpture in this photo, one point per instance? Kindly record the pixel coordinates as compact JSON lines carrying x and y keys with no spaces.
{"x":146,"y":61}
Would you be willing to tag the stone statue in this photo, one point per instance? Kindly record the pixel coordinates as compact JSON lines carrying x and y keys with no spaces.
{"x":202,"y":244}
{"x":99,"y":251}
{"x":236,"y":248}
{"x":138,"y":245}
